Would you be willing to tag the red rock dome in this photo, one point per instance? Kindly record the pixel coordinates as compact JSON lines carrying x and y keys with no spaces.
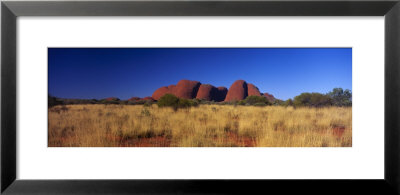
{"x":160,"y":92}
{"x":147,"y":98}
{"x":237,"y":91}
{"x":207,"y":92}
{"x":133,"y":99}
{"x":186,"y":89}
{"x":253,"y":90}
{"x":269,"y":97}
{"x":112,"y":99}
{"x":171,"y":89}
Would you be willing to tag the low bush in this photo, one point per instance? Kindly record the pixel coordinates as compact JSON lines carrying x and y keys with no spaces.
{"x":256,"y":101}
{"x":169,"y":100}
{"x":312,"y":100}
{"x":260,"y":104}
{"x":53,"y":101}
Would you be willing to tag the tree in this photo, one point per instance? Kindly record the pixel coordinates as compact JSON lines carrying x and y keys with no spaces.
{"x":341,"y":97}
{"x":288,"y":102}
{"x":303,"y":99}
{"x":278,"y":102}
{"x":53,"y":101}
{"x":312,"y":99}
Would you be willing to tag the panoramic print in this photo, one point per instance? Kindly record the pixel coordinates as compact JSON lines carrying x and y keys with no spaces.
{"x":199,"y":97}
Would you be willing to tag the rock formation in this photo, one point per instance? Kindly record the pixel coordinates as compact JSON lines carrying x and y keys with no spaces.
{"x":112,"y":99}
{"x":171,"y":89}
{"x":237,"y":91}
{"x":134,"y":99}
{"x":252,"y":90}
{"x":207,"y":92}
{"x":147,"y":98}
{"x":269,"y":97}
{"x":186,"y":89}
{"x":160,"y":92}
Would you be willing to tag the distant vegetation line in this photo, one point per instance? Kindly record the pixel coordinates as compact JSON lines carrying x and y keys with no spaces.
{"x":336,"y":97}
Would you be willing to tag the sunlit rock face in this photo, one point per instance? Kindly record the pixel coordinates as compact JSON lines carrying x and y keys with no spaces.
{"x":186,"y":89}
{"x":237,"y":91}
{"x":253,"y":90}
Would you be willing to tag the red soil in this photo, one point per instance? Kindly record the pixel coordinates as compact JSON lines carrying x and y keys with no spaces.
{"x":240,"y":140}
{"x":162,"y":141}
{"x":338,"y":131}
{"x":157,"y":141}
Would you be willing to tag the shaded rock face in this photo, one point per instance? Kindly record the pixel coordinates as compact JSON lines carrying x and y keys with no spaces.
{"x":211,"y":93}
{"x":186,"y":89}
{"x":221,"y":94}
{"x":207,"y":92}
{"x":253,"y":90}
{"x":269,"y":97}
{"x":237,"y":91}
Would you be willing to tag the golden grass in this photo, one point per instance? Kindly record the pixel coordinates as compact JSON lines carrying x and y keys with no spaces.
{"x":202,"y":126}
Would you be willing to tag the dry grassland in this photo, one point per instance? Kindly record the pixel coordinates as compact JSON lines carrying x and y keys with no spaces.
{"x":202,"y":126}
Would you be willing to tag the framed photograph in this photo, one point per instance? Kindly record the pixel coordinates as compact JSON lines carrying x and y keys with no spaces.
{"x":195,"y":113}
{"x":199,"y":97}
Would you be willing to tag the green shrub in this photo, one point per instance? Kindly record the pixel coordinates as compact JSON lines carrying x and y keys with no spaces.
{"x":312,"y":100}
{"x":94,"y":101}
{"x":53,"y":101}
{"x":113,"y":101}
{"x":241,"y":102}
{"x":194,"y":103}
{"x":252,"y":100}
{"x":278,"y":102}
{"x":145,"y":112}
{"x":260,"y":104}
{"x":184,"y":103}
{"x":168,"y":100}
{"x":288,"y":102}
{"x":147,"y":103}
{"x":124,"y":102}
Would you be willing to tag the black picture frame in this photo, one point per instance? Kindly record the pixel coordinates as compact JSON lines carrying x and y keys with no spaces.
{"x":10,"y":10}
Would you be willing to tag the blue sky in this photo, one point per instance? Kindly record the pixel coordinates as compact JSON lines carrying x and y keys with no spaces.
{"x":127,"y":72}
